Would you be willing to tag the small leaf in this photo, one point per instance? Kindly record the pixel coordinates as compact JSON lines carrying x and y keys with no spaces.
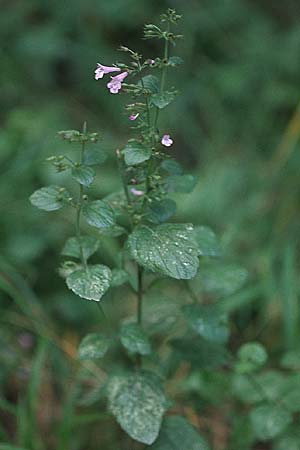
{"x":162,"y":100}
{"x":94,"y":157}
{"x":151,"y":83}
{"x":208,"y":243}
{"x":136,"y":153}
{"x":138,"y":403}
{"x":119,"y":277}
{"x":178,"y":434}
{"x":160,"y":211}
{"x":99,"y":214}
{"x":174,"y":61}
{"x":90,"y":283}
{"x":134,"y":339}
{"x":180,"y":183}
{"x":93,"y":346}
{"x":251,"y":357}
{"x":49,"y":198}
{"x":83,"y":175}
{"x":208,"y":322}
{"x":89,"y":245}
{"x":168,"y":249}
{"x":269,"y":420}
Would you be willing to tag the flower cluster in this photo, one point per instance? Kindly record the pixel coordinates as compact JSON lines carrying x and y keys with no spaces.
{"x":115,"y":84}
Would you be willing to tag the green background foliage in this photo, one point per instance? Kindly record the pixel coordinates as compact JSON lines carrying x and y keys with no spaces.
{"x":236,"y":126}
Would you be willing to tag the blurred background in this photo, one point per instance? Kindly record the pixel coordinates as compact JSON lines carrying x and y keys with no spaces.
{"x":236,"y":126}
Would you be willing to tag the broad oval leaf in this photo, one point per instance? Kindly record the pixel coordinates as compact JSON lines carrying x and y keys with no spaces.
{"x":251,"y":357}
{"x":269,"y":420}
{"x":172,"y":167}
{"x":151,"y":83}
{"x":89,"y":245}
{"x":94,"y":157}
{"x":134,"y":339}
{"x":208,"y":322}
{"x":207,"y":241}
{"x":160,"y":211}
{"x":136,"y":153}
{"x":178,"y":434}
{"x":181,"y":183}
{"x":168,"y":249}
{"x":90,"y":283}
{"x":161,"y":100}
{"x":99,"y":214}
{"x":49,"y":198}
{"x":83,"y":175}
{"x":93,"y":346}
{"x":138,"y":403}
{"x":119,"y":277}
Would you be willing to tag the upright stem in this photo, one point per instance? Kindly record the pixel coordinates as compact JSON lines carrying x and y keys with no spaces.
{"x":164,"y":72}
{"x":80,"y":203}
{"x":140,"y":295}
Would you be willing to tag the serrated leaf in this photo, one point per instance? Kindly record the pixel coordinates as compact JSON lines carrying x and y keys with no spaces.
{"x":49,"y":198}
{"x":161,"y":100}
{"x":99,"y":214}
{"x":160,"y":211}
{"x":151,"y":83}
{"x":219,"y":279}
{"x":119,"y":277}
{"x":207,"y":241}
{"x":178,"y":434}
{"x":208,"y":322}
{"x":90,"y":283}
{"x":83,"y":175}
{"x":134,"y":339}
{"x":269,"y":420}
{"x":94,"y":157}
{"x":138,"y":403}
{"x":89,"y":245}
{"x":168,"y":249}
{"x":93,"y":346}
{"x":180,"y":183}
{"x":136,"y":153}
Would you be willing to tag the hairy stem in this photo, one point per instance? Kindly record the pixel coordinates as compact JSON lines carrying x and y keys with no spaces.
{"x":163,"y":74}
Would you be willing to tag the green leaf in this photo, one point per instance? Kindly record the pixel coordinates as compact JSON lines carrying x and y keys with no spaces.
{"x":94,"y":157}
{"x":160,"y":211}
{"x":174,"y":61}
{"x":90,"y":283}
{"x":172,"y":167}
{"x":251,"y":357}
{"x":49,"y":198}
{"x":136,"y":153}
{"x":178,"y":434}
{"x":290,"y":440}
{"x":208,"y":322}
{"x":208,"y":243}
{"x":119,"y":277}
{"x":138,"y":403}
{"x":273,"y":387}
{"x":93,"y":346}
{"x":83,"y":175}
{"x":99,"y":214}
{"x":89,"y":245}
{"x":269,"y":420}
{"x":151,"y":83}
{"x":134,"y":339}
{"x":219,"y":279}
{"x":180,"y":183}
{"x":200,"y":353}
{"x":168,"y":249}
{"x":162,"y":100}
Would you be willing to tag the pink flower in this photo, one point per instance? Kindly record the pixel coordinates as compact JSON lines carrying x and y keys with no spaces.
{"x":136,"y":192}
{"x":151,"y":62}
{"x":134,"y":116}
{"x":166,"y":140}
{"x":102,"y":70}
{"x":116,"y":82}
